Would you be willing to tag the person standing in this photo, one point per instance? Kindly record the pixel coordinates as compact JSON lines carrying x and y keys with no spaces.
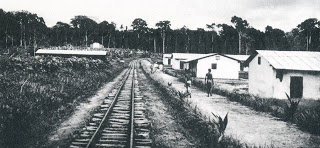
{"x":188,"y":82}
{"x":209,"y":81}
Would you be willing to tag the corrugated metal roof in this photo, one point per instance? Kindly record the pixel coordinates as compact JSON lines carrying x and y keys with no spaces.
{"x":71,"y":52}
{"x":188,"y":56}
{"x":241,"y":58}
{"x":292,"y":60}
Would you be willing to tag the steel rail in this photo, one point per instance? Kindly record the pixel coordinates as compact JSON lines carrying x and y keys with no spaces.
{"x":92,"y":139}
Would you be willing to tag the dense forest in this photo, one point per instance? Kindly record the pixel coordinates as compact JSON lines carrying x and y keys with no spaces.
{"x":22,"y":30}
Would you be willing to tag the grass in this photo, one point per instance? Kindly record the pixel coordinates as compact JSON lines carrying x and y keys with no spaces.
{"x":306,"y":115}
{"x":38,"y":93}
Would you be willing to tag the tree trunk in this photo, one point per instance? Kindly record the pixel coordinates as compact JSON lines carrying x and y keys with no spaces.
{"x":86,"y":38}
{"x":163,"y":42}
{"x":212,"y":42}
{"x":154,"y":45}
{"x":11,"y":40}
{"x":102,"y":39}
{"x":239,"y":43}
{"x":109,"y":41}
{"x":6,"y":38}
{"x":24,"y":40}
{"x":34,"y":43}
{"x":307,"y":42}
{"x":21,"y":34}
{"x":176,"y":45}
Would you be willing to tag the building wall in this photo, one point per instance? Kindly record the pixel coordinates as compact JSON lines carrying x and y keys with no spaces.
{"x":186,"y":66}
{"x":176,"y":63}
{"x":226,"y":67}
{"x":261,"y":78}
{"x":263,"y":81}
{"x":311,"y":84}
{"x":165,"y":60}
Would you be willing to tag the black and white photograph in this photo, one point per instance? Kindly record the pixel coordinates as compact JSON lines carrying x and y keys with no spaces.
{"x":160,"y":73}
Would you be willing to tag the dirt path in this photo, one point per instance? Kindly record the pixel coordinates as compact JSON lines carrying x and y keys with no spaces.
{"x":249,"y":126}
{"x":81,"y":115}
{"x":165,"y":131}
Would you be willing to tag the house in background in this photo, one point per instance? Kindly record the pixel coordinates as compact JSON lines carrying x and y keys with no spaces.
{"x":178,"y":59}
{"x":242,"y":59}
{"x":96,"y":45}
{"x":166,"y":59}
{"x":272,"y":74}
{"x":70,"y":53}
{"x":222,"y":66}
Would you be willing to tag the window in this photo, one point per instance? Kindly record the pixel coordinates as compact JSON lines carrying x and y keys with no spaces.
{"x":259,"y":60}
{"x":217,"y":57}
{"x":213,"y":66}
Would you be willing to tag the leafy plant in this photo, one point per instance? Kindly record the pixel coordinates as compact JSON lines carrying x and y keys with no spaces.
{"x":221,"y":124}
{"x":292,"y":107}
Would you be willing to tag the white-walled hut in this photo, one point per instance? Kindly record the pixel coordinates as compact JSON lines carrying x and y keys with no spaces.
{"x":69,"y":53}
{"x":272,"y":74}
{"x":242,"y":59}
{"x":166,"y":58}
{"x":222,"y":66}
{"x":178,"y":59}
{"x":96,"y":45}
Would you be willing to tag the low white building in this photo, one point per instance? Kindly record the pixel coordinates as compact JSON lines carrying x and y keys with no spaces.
{"x":272,"y":74}
{"x":166,"y":59}
{"x":242,"y":59}
{"x":96,"y":45}
{"x":178,"y":59}
{"x":222,"y":66}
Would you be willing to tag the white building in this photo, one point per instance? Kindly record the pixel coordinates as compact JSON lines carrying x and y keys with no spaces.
{"x":178,"y":59}
{"x":272,"y":74}
{"x":242,"y":59}
{"x":96,"y":45}
{"x":166,"y":59}
{"x":222,"y":66}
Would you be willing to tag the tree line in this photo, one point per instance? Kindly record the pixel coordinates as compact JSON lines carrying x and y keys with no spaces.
{"x":25,"y":30}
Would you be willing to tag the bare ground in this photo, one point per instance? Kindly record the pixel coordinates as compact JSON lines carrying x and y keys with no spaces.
{"x":166,"y":133}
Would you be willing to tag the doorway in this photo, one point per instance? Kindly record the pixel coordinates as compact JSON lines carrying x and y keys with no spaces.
{"x":296,"y":87}
{"x":169,"y":61}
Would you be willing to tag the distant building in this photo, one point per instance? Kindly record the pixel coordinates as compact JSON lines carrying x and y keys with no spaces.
{"x":272,"y":74}
{"x":242,"y":59}
{"x":222,"y":66}
{"x":178,"y":59}
{"x":96,"y":45}
{"x":69,"y":53}
{"x":166,"y":59}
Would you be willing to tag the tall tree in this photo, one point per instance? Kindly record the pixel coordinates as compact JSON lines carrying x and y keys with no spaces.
{"x":164,"y":26}
{"x":85,"y":26}
{"x":140,"y":27}
{"x":241,"y":26}
{"x":62,"y":32}
{"x":212,"y":28}
{"x":308,"y":28}
{"x":103,"y":29}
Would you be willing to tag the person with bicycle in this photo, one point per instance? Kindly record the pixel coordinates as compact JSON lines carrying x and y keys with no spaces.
{"x":209,"y":82}
{"x":188,"y":82}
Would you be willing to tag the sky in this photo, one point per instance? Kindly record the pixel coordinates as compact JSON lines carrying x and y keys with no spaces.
{"x":282,"y":14}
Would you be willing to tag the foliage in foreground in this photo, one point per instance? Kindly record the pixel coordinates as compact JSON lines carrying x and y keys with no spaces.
{"x":39,"y":92}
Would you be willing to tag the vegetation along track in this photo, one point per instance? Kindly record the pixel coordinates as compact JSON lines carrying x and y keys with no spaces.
{"x":120,"y":121}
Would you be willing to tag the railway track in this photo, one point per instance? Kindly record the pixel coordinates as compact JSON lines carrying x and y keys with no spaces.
{"x":120,"y":121}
